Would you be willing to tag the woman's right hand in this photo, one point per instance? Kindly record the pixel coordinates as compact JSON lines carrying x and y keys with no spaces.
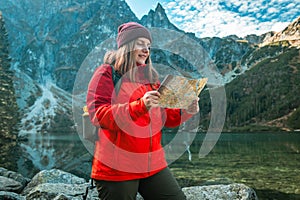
{"x":151,"y":99}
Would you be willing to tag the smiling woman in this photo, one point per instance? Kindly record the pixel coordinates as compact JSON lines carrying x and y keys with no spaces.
{"x":142,"y":50}
{"x":128,"y":156}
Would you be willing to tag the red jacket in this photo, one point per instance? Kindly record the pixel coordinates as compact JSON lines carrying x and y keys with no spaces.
{"x":130,"y":136}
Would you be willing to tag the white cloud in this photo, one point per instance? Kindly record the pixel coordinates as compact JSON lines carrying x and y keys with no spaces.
{"x":172,"y":4}
{"x":290,"y":5}
{"x":220,"y":18}
{"x":279,"y":26}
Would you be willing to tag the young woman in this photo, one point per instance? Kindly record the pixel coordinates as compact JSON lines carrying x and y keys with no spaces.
{"x":128,"y":156}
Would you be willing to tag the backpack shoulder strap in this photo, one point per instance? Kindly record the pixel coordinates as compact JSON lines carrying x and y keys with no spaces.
{"x":113,"y":72}
{"x":115,"y":77}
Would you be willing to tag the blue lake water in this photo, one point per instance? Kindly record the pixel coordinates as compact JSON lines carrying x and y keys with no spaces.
{"x":267,"y":162}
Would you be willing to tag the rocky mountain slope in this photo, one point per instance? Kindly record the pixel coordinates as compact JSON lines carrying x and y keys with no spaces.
{"x":47,"y":49}
{"x":290,"y":34}
{"x":50,"y":47}
{"x":263,"y":98}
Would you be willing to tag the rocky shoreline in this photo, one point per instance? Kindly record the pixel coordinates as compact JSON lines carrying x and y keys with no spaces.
{"x":60,"y":185}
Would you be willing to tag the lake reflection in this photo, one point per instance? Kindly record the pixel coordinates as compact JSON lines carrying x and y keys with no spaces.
{"x":47,"y":152}
{"x":267,"y":162}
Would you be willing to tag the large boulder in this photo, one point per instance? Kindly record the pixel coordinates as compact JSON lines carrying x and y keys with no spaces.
{"x":10,"y":185}
{"x":60,"y":191}
{"x":11,"y":196}
{"x":220,"y":192}
{"x":224,"y":192}
{"x":54,"y":176}
{"x":14,"y":176}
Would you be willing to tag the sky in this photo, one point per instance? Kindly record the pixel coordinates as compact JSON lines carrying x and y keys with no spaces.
{"x":208,"y":18}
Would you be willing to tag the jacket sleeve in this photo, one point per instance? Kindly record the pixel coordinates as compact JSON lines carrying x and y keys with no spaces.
{"x":102,"y":111}
{"x":175,"y":117}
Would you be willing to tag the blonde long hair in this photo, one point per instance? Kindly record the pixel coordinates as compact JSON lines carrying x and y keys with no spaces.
{"x":123,"y":61}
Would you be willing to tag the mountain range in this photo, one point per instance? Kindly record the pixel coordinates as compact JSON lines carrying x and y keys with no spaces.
{"x":54,"y":47}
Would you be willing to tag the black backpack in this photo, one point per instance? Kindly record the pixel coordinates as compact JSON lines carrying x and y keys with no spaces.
{"x":90,"y":132}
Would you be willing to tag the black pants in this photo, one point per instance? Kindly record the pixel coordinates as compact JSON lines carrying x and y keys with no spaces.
{"x":161,"y":186}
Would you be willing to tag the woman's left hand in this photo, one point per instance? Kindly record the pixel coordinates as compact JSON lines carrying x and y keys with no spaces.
{"x":194,"y":107}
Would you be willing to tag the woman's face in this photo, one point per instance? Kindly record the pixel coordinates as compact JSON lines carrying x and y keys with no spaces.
{"x":141,"y":50}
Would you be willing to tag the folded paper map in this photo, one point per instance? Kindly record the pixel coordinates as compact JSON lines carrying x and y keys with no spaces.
{"x":179,"y":91}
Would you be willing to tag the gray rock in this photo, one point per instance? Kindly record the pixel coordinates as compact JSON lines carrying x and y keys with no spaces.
{"x":52,"y":176}
{"x":218,"y":192}
{"x":57,"y":191}
{"x":10,"y":185}
{"x":221,"y":192}
{"x":10,"y":196}
{"x":15,"y":176}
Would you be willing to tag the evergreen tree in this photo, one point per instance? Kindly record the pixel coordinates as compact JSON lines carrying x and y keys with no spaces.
{"x":9,"y":113}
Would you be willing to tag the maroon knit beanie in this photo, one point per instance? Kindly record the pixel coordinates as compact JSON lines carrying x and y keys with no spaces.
{"x":131,"y":31}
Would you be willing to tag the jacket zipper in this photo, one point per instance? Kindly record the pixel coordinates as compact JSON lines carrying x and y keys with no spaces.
{"x":150,"y":146}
